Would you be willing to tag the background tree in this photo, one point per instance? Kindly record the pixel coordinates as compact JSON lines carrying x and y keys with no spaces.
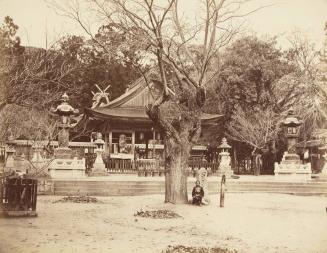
{"x":25,"y":123}
{"x":250,"y":70}
{"x":10,"y":48}
{"x":256,"y":128}
{"x":258,"y":83}
{"x":35,"y":78}
{"x":95,"y":67}
{"x":312,"y":105}
{"x":29,"y":75}
{"x":255,"y":87}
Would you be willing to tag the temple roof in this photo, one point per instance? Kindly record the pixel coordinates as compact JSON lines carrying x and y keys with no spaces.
{"x":136,"y":113}
{"x":130,"y":106}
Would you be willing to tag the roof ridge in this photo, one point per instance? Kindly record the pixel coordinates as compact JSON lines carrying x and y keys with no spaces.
{"x":135,"y":88}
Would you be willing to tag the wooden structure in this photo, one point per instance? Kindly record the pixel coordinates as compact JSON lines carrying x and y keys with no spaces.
{"x":127,"y":130}
{"x":19,"y":196}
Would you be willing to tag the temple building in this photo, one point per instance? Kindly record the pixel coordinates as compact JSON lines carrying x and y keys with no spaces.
{"x":126,"y":129}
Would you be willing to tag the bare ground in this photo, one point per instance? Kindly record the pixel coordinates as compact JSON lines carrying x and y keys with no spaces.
{"x":248,"y":223}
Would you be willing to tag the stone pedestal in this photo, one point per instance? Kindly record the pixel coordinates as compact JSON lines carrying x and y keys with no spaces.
{"x":99,"y":168}
{"x":10,"y":162}
{"x":291,"y":168}
{"x":323,"y":173}
{"x":63,"y":153}
{"x":37,"y":160}
{"x":23,"y":166}
{"x":64,"y":166}
{"x":225,"y":165}
{"x":67,"y":168}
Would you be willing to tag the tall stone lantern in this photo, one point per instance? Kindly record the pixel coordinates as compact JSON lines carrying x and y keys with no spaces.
{"x":291,"y":167}
{"x":64,"y":111}
{"x":64,"y":165}
{"x":225,"y":160}
{"x":291,"y":126}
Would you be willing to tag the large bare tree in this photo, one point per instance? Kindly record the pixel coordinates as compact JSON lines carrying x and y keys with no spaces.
{"x":183,"y":50}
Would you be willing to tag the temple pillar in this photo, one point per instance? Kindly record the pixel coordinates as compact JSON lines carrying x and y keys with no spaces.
{"x":106,"y":141}
{"x":110,"y":142}
{"x":154,"y":144}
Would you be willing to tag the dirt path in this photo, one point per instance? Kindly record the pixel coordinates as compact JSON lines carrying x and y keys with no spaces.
{"x":248,"y":223}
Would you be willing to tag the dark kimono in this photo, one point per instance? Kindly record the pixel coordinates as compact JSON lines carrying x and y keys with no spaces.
{"x":197,"y":195}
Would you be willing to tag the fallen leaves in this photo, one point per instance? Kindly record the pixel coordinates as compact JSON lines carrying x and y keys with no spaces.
{"x":186,"y":249}
{"x":78,"y":199}
{"x":157,"y":214}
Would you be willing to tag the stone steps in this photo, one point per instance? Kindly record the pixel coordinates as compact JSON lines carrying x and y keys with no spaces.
{"x":131,"y":188}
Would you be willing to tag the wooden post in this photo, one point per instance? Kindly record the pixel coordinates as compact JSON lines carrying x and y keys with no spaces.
{"x":1,"y":194}
{"x":154,"y":144}
{"x":133,"y":140}
{"x":106,"y":141}
{"x":222,"y":190}
{"x":110,"y":149}
{"x":147,"y":148}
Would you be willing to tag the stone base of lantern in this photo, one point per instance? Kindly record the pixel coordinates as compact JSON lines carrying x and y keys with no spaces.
{"x":10,"y":161}
{"x":228,"y":172}
{"x":38,"y":162}
{"x":99,"y":168}
{"x":224,"y":165}
{"x":291,"y":169}
{"x":324,"y":171}
{"x":323,"y":174}
{"x":67,"y":168}
{"x":63,"y":153}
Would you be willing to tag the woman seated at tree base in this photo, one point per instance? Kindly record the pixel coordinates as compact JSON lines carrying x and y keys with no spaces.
{"x":197,"y":193}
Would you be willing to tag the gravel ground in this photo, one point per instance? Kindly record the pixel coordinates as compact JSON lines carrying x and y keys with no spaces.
{"x":251,"y":222}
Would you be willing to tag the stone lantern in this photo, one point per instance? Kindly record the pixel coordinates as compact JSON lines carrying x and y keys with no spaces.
{"x":291,"y":126}
{"x":99,"y":142}
{"x":64,"y":111}
{"x":291,"y":167}
{"x":225,"y":160}
{"x":99,"y":167}
{"x":64,"y":165}
{"x":224,"y":146}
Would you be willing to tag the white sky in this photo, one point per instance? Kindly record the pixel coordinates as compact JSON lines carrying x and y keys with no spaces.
{"x":34,"y":17}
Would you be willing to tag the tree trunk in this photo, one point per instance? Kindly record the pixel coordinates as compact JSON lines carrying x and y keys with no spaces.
{"x":176,"y":165}
{"x":3,"y":105}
